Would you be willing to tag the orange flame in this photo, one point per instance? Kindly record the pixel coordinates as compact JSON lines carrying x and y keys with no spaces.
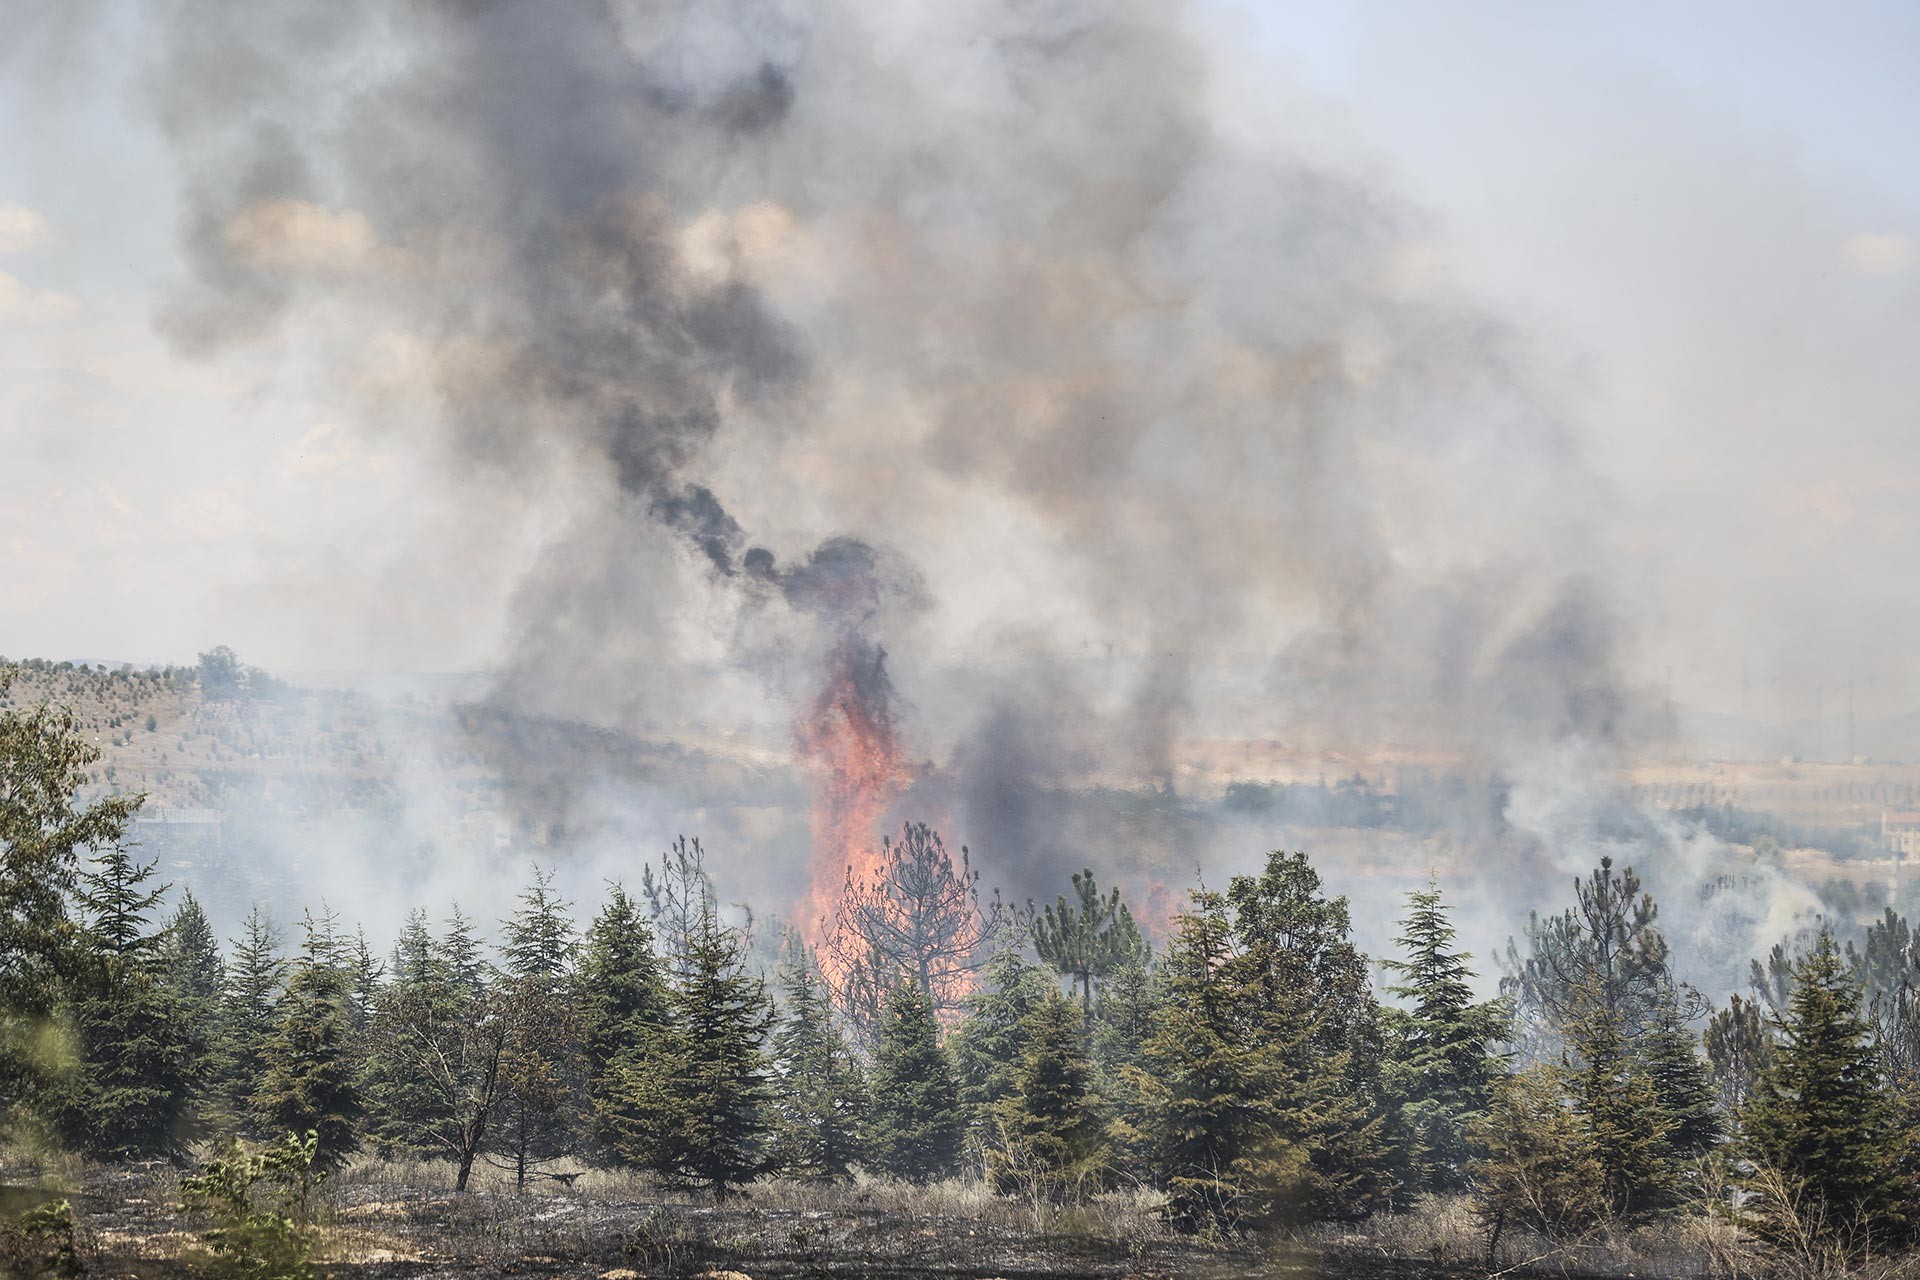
{"x":849,"y":741}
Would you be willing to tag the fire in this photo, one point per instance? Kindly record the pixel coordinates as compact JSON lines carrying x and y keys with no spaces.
{"x":849,"y":740}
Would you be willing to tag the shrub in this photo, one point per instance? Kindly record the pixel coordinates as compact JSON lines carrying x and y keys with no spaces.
{"x":260,"y":1208}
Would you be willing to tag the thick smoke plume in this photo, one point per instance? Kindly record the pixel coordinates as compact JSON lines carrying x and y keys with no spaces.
{"x":971,"y":334}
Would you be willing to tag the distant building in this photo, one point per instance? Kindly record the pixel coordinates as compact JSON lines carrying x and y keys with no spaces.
{"x":1900,"y":833}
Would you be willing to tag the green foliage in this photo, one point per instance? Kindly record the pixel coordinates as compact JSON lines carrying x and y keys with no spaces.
{"x":1443,"y":1063}
{"x":1538,"y":1166}
{"x":191,"y":967}
{"x":248,"y":1021}
{"x":128,"y":1091}
{"x":40,"y":1242}
{"x":820,"y":1089}
{"x":437,"y":1044}
{"x":259,"y":1207}
{"x":693,"y":1104}
{"x":1250,"y":1120}
{"x":1739,"y":1046}
{"x":44,"y":761}
{"x":1669,"y":1053}
{"x":1630,"y":1131}
{"x":1088,"y":939}
{"x":1606,"y":948}
{"x":542,"y":1072}
{"x":1052,"y":1139}
{"x":310,"y":1077}
{"x":624,"y":1004}
{"x":991,"y":1040}
{"x":1818,"y":1132}
{"x":915,"y":1126}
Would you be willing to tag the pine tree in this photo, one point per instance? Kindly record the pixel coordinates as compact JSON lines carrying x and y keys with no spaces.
{"x":1632,"y":1134}
{"x":249,"y":1019}
{"x":309,"y":1082}
{"x":695,"y":1106}
{"x":1538,"y":1167}
{"x":1445,"y":1065}
{"x":128,"y":1092}
{"x":191,"y":967}
{"x":991,"y":1040}
{"x":624,"y":1004}
{"x":1607,"y":947}
{"x":1209,"y":1091}
{"x":1124,"y":1018}
{"x":1309,"y":990}
{"x":917,"y":917}
{"x":1818,"y":1121}
{"x":1739,"y":1045}
{"x":915,"y":1125}
{"x":677,"y":899}
{"x":1670,"y":1055}
{"x":44,"y":764}
{"x":437,"y":1047}
{"x":1052,"y":1140}
{"x":819,"y":1089}
{"x":542,"y":1068}
{"x":1088,"y":939}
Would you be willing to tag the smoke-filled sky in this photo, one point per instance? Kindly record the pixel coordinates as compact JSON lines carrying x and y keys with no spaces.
{"x":1444,"y":372}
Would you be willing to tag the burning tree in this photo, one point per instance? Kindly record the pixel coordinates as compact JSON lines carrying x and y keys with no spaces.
{"x":916,"y":918}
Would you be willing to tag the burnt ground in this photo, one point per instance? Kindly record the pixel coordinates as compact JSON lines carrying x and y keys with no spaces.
{"x":382,"y":1228}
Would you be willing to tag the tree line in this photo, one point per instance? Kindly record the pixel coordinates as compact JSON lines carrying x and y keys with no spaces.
{"x":1249,"y":1068}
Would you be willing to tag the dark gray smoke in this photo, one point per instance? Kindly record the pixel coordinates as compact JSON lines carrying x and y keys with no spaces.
{"x":976,"y":331}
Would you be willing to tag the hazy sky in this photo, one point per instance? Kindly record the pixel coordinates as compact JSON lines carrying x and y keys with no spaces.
{"x":1698,"y":227}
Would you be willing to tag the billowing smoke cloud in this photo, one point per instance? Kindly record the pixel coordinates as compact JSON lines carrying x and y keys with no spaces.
{"x":968,"y":332}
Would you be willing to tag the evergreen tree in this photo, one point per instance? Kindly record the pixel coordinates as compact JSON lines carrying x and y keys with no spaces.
{"x":128,"y":1092}
{"x":309,"y":1082}
{"x":988,"y":1045}
{"x":915,"y":1125}
{"x":624,"y":1004}
{"x":1309,"y":989}
{"x":44,"y":763}
{"x":1444,"y":1061}
{"x":191,"y":967}
{"x":1124,"y":1019}
{"x":1210,"y":1093}
{"x":1632,"y":1134}
{"x":1739,"y":1044}
{"x":542,"y":1068}
{"x":695,"y":1109}
{"x":918,"y":918}
{"x":677,"y":900}
{"x":1607,"y":948}
{"x":249,"y":1019}
{"x":1683,"y":1088}
{"x":438,"y":1044}
{"x":1089,"y":939}
{"x":1538,"y":1165}
{"x":819,"y":1091}
{"x":1052,"y":1140}
{"x":1818,"y":1122}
